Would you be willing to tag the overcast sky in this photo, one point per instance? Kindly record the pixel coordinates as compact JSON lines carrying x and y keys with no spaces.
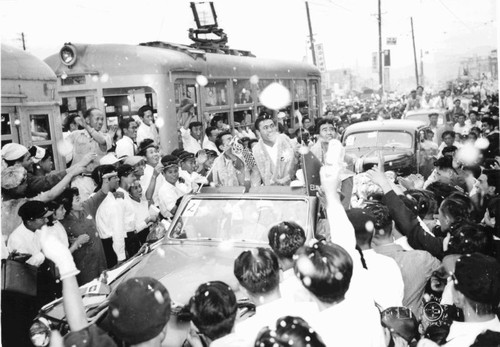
{"x":268,"y":28}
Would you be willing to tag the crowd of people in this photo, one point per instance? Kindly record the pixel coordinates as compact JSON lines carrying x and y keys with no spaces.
{"x":390,"y":253}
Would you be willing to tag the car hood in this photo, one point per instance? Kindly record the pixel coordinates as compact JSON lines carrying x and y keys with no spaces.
{"x":182,"y":267}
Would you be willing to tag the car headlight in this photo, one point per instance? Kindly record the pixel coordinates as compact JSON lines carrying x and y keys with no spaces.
{"x":40,"y":332}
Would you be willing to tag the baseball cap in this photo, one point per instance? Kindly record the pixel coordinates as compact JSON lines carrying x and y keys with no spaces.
{"x":38,"y":155}
{"x":139,"y":309}
{"x":13,"y":151}
{"x":185,"y":156}
{"x":477,"y":276}
{"x":13,"y":176}
{"x":211,"y":153}
{"x":125,"y":170}
{"x":169,"y":160}
{"x":109,"y":159}
{"x":133,"y":160}
{"x":34,"y":209}
{"x":147,"y":143}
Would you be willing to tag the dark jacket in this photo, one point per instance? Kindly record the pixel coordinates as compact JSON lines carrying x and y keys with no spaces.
{"x":408,"y":224}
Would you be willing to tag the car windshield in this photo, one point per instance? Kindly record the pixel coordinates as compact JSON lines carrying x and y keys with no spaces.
{"x":370,"y":139}
{"x":237,"y":220}
{"x":424,"y":117}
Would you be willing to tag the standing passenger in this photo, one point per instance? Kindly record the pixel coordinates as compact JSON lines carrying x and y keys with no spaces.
{"x":90,"y":139}
{"x":274,"y":154}
{"x":147,"y":129}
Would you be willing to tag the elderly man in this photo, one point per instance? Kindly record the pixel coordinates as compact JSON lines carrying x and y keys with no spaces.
{"x":274,"y":154}
{"x":90,"y":139}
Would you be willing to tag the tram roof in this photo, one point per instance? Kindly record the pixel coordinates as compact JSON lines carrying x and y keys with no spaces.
{"x":122,"y":59}
{"x":20,"y":65}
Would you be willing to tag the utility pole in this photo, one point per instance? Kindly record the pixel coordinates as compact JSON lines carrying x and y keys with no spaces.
{"x":414,"y":51}
{"x":380,"y":72}
{"x":311,"y":33}
{"x":23,"y":41}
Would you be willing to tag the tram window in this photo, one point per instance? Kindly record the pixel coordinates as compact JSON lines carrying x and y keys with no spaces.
{"x":6,"y":130}
{"x":40,"y":127}
{"x":300,"y":90}
{"x":185,"y":100}
{"x":78,"y":103}
{"x":242,"y":92}
{"x":216,"y":93}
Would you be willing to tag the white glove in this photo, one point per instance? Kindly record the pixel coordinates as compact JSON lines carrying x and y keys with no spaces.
{"x":58,"y":253}
{"x":36,"y":259}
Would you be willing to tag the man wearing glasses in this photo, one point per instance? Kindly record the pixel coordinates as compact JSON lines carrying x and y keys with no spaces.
{"x":274,"y":153}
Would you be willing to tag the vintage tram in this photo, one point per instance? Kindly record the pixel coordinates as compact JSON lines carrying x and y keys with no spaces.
{"x":120,"y":78}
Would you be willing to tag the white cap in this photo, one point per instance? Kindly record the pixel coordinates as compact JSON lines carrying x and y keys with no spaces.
{"x":109,"y":159}
{"x":13,"y":151}
{"x":40,"y":153}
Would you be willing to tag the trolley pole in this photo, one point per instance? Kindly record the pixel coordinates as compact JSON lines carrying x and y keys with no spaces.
{"x":380,"y":71}
{"x":414,"y":50}
{"x":310,"y":33}
{"x":23,"y":41}
{"x":421,"y":68}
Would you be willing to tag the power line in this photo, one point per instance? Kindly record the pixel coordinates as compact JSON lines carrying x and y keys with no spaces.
{"x":454,"y":15}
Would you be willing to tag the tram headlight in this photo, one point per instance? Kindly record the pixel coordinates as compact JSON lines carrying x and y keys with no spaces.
{"x":68,"y":54}
{"x":40,"y":333}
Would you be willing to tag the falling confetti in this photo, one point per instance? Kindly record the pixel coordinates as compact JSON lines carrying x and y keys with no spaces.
{"x":369,"y":226}
{"x":104,"y":78}
{"x":254,"y":79}
{"x":159,"y":297}
{"x":201,"y":80}
{"x":468,"y":154}
{"x":307,"y":281}
{"x":482,"y":143}
{"x":275,"y":96}
{"x":159,"y":122}
{"x":303,"y":150}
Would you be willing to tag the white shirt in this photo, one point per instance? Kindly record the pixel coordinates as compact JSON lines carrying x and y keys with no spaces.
{"x":147,"y":132}
{"x":464,"y":334}
{"x":146,"y":180}
{"x":273,"y":152}
{"x":358,"y":298}
{"x":268,"y":314}
{"x":462,"y":130}
{"x":24,"y":240}
{"x":207,"y":144}
{"x":85,"y":185}
{"x":129,"y":212}
{"x":125,"y":147}
{"x":350,"y":323}
{"x":168,"y":196}
{"x":141,"y":212}
{"x":58,"y":231}
{"x":477,"y":124}
{"x":386,"y":279}
{"x":441,"y":103}
{"x":189,"y":143}
{"x":110,"y":223}
{"x":291,"y":288}
{"x":193,"y":179}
